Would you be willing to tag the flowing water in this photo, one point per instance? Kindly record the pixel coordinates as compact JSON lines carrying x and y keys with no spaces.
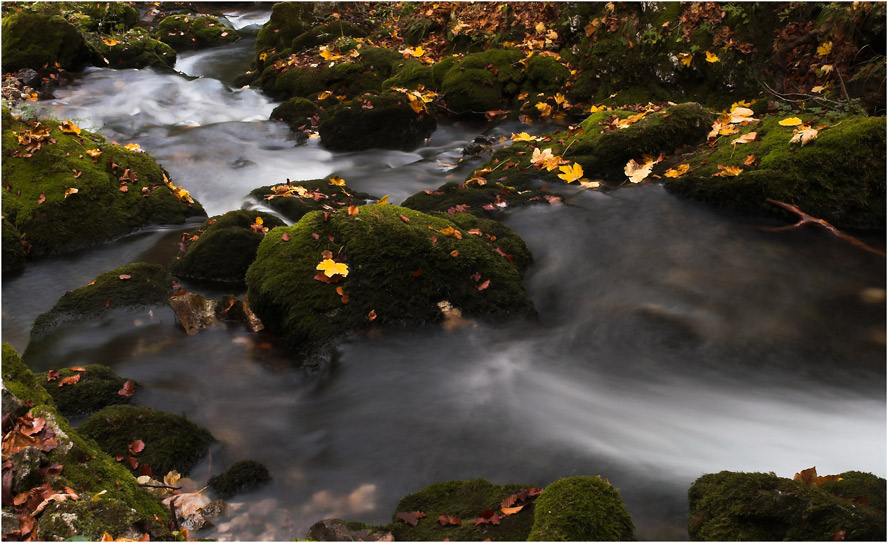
{"x":673,"y":340}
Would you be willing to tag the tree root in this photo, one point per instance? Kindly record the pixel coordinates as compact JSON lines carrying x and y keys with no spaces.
{"x":805,"y":219}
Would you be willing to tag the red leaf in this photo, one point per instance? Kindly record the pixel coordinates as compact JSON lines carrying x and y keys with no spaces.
{"x":132,"y":462}
{"x":108,"y":303}
{"x":127,"y":390}
{"x":484,"y":285}
{"x":146,"y":536}
{"x":119,"y":458}
{"x":136,"y":447}
{"x":69,"y":380}
{"x":42,"y":198}
{"x":476,"y":276}
{"x":124,"y":276}
{"x":404,"y":218}
{"x":315,"y":236}
{"x":417,"y":273}
{"x":124,"y":188}
{"x":449,"y":520}
{"x":145,"y":469}
{"x":454,"y":253}
{"x":838,"y":535}
{"x":411,"y":517}
{"x":285,"y":237}
{"x":330,"y":236}
{"x":323,"y":278}
{"x":52,"y":375}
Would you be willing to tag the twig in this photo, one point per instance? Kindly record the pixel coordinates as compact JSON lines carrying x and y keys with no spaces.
{"x":804,"y":219}
{"x":148,"y":485}
{"x":843,"y":88}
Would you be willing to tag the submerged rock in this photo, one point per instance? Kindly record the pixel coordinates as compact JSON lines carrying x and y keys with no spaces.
{"x":242,"y":476}
{"x":171,"y":442}
{"x":67,"y":190}
{"x":394,"y":266}
{"x":189,"y":31}
{"x":223,"y":247}
{"x":96,"y":387}
{"x":581,"y":509}
{"x":386,"y":121}
{"x":133,"y":285}
{"x":731,"y":506}
{"x":193,"y":311}
{"x":333,"y":529}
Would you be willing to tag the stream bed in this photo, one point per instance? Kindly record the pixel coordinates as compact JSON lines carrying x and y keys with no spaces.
{"x":673,"y":339}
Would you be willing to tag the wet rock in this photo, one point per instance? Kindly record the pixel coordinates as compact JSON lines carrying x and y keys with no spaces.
{"x":188,"y":31}
{"x":25,"y":390}
{"x":731,"y":506}
{"x":223,"y":247}
{"x":386,"y":121}
{"x":97,"y":387}
{"x":12,"y":406}
{"x":193,"y":311}
{"x":61,"y":198}
{"x":194,"y":510}
{"x":25,"y":465}
{"x":171,"y":442}
{"x":296,"y":112}
{"x":333,"y":529}
{"x":33,"y":40}
{"x":400,"y":264}
{"x":581,"y":509}
{"x":242,"y":476}
{"x":130,"y":286}
{"x":294,"y":199}
{"x":229,"y":308}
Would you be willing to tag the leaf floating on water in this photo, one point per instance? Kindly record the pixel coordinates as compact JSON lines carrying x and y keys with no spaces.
{"x":411,"y":517}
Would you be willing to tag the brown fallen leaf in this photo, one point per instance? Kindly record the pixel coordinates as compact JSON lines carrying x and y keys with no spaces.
{"x":127,"y":390}
{"x":52,"y":375}
{"x":750,"y":159}
{"x":77,"y":368}
{"x":42,"y":198}
{"x":372,"y":315}
{"x":454,"y":253}
{"x":132,"y":462}
{"x":69,"y":380}
{"x":136,"y":447}
{"x":449,"y":520}
{"x":484,"y":285}
{"x":511,"y":510}
{"x":404,"y":218}
{"x":411,"y":517}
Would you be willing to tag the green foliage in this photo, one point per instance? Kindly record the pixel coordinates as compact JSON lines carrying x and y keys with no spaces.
{"x":171,"y":442}
{"x":242,"y":476}
{"x":581,"y":509}
{"x":97,"y":388}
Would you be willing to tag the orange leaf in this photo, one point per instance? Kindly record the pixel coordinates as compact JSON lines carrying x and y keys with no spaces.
{"x":484,"y":285}
{"x":449,"y":520}
{"x":42,"y":198}
{"x":136,"y":447}
{"x":511,"y":510}
{"x":124,"y":276}
{"x":69,"y":380}
{"x":285,"y":237}
{"x":410,"y":517}
{"x":372,"y":315}
{"x":52,"y":375}
{"x":403,"y":218}
{"x":127,"y":390}
{"x":417,"y":273}
{"x":749,"y":160}
{"x":454,"y":253}
{"x":353,"y":210}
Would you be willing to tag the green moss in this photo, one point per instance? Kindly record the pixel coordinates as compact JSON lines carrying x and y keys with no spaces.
{"x":97,"y":388}
{"x":466,"y":500}
{"x":496,"y":235}
{"x":294,"y":207}
{"x":20,"y":381}
{"x":35,"y":201}
{"x":13,"y":249}
{"x":107,"y":16}
{"x":410,"y":74}
{"x":839,"y":177}
{"x":441,"y":68}
{"x":352,"y":78}
{"x":148,"y":285}
{"x":389,"y":123}
{"x":171,"y":442}
{"x":471,"y":91}
{"x":33,"y":40}
{"x":546,"y":75}
{"x":183,"y":31}
{"x":242,"y":476}
{"x":581,"y":509}
{"x":859,"y":486}
{"x":134,"y":49}
{"x":295,"y":112}
{"x":288,"y":20}
{"x":730,"y":506}
{"x":90,"y":520}
{"x":225,"y":248}
{"x":384,"y":255}
{"x":326,"y":33}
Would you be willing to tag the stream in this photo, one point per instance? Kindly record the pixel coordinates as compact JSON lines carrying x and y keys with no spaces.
{"x":673,"y":339}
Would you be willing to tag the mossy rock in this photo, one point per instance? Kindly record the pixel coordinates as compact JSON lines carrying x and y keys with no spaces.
{"x":288,"y":21}
{"x":242,"y":476}
{"x":106,"y":16}
{"x":471,"y":91}
{"x":326,"y":33}
{"x":389,"y":123}
{"x":13,"y":248}
{"x":318,"y":193}
{"x":225,"y":247}
{"x":465,"y":500}
{"x":33,"y":40}
{"x":400,"y":270}
{"x":187,"y":31}
{"x":135,"y":48}
{"x":496,"y":234}
{"x":859,"y":486}
{"x":147,"y":285}
{"x":730,"y":506}
{"x":546,"y":75}
{"x":295,"y":112}
{"x":20,"y":381}
{"x":839,"y":177}
{"x":172,"y":442}
{"x":410,"y":74}
{"x":35,"y":200}
{"x":581,"y":509}
{"x":97,"y":388}
{"x":90,"y":521}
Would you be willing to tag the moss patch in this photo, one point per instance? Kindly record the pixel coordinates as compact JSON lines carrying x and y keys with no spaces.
{"x":581,"y":509}
{"x":32,"y":40}
{"x":288,"y":20}
{"x":225,"y":247}
{"x":326,"y":33}
{"x":184,"y":31}
{"x":317,"y":194}
{"x":135,"y":48}
{"x":13,"y":248}
{"x":386,"y":121}
{"x":295,"y":112}
{"x":242,"y":476}
{"x":384,"y":255}
{"x":171,"y":442}
{"x":148,"y":285}
{"x":729,"y":506}
{"x":466,"y":500}
{"x":35,"y":186}
{"x":20,"y":381}
{"x":97,"y":388}
{"x":839,"y":177}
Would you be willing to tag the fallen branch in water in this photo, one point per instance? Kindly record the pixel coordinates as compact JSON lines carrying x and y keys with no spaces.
{"x":804,"y":219}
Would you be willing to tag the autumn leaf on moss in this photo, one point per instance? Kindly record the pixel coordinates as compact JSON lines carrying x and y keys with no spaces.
{"x":792,"y":121}
{"x":544,"y":159}
{"x":741,"y":114}
{"x":678,"y":171}
{"x":449,"y":520}
{"x":94,"y":153}
{"x":824,"y":49}
{"x":71,"y":191}
{"x":569,"y":174}
{"x":336,"y":180}
{"x":451,"y":232}
{"x":728,"y":171}
{"x":524,"y":136}
{"x":711,"y":57}
{"x":324,"y":95}
{"x":544,"y":108}
{"x":745,"y":138}
{"x":109,"y":41}
{"x":331,"y":268}
{"x":596,"y":109}
{"x":410,"y":517}
{"x":809,"y":476}
{"x":127,"y":390}
{"x":804,"y":136}
{"x":134,"y":147}
{"x":384,"y":201}
{"x":685,"y":59}
{"x":69,"y":128}
{"x":638,"y":171}
{"x":327,"y":54}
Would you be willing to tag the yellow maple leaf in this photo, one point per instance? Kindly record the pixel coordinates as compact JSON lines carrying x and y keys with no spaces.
{"x":523,"y":136}
{"x":300,"y":190}
{"x":324,"y":95}
{"x":728,"y":130}
{"x":711,"y":57}
{"x":545,"y":109}
{"x":638,"y":171}
{"x":336,"y":180}
{"x":327,"y":54}
{"x":559,"y":98}
{"x":792,"y":121}
{"x":71,"y":191}
{"x":110,"y":41}
{"x":94,"y":153}
{"x":331,"y":268}
{"x":824,"y":49}
{"x":259,"y":221}
{"x":32,"y":97}
{"x":819,"y":88}
{"x":685,"y":58}
{"x":540,"y":157}
{"x":596,"y":109}
{"x":678,"y":171}
{"x":804,"y":136}
{"x":383,"y":201}
{"x":728,"y":171}
{"x":418,"y":52}
{"x":571,"y":173}
{"x":417,"y":106}
{"x":133,"y":146}
{"x":263,"y":56}
{"x":69,"y":128}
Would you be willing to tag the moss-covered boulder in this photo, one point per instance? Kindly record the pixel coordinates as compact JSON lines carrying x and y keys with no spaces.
{"x":288,"y":21}
{"x":730,"y":506}
{"x":133,"y":285}
{"x":110,"y":499}
{"x":838,"y":177}
{"x":545,"y":74}
{"x":242,"y":476}
{"x":172,"y":442}
{"x":410,"y":74}
{"x":34,"y":40}
{"x":325,"y":33}
{"x":497,"y":235}
{"x":97,"y":387}
{"x":295,"y":112}
{"x":104,"y":17}
{"x":400,"y":265}
{"x":480,"y":81}
{"x":581,"y":509}
{"x":387,"y":121}
{"x":135,"y":48}
{"x":466,"y":500}
{"x":294,"y":199}
{"x":66,"y":191}
{"x":187,"y":31}
{"x":223,"y":247}
{"x":13,"y":249}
